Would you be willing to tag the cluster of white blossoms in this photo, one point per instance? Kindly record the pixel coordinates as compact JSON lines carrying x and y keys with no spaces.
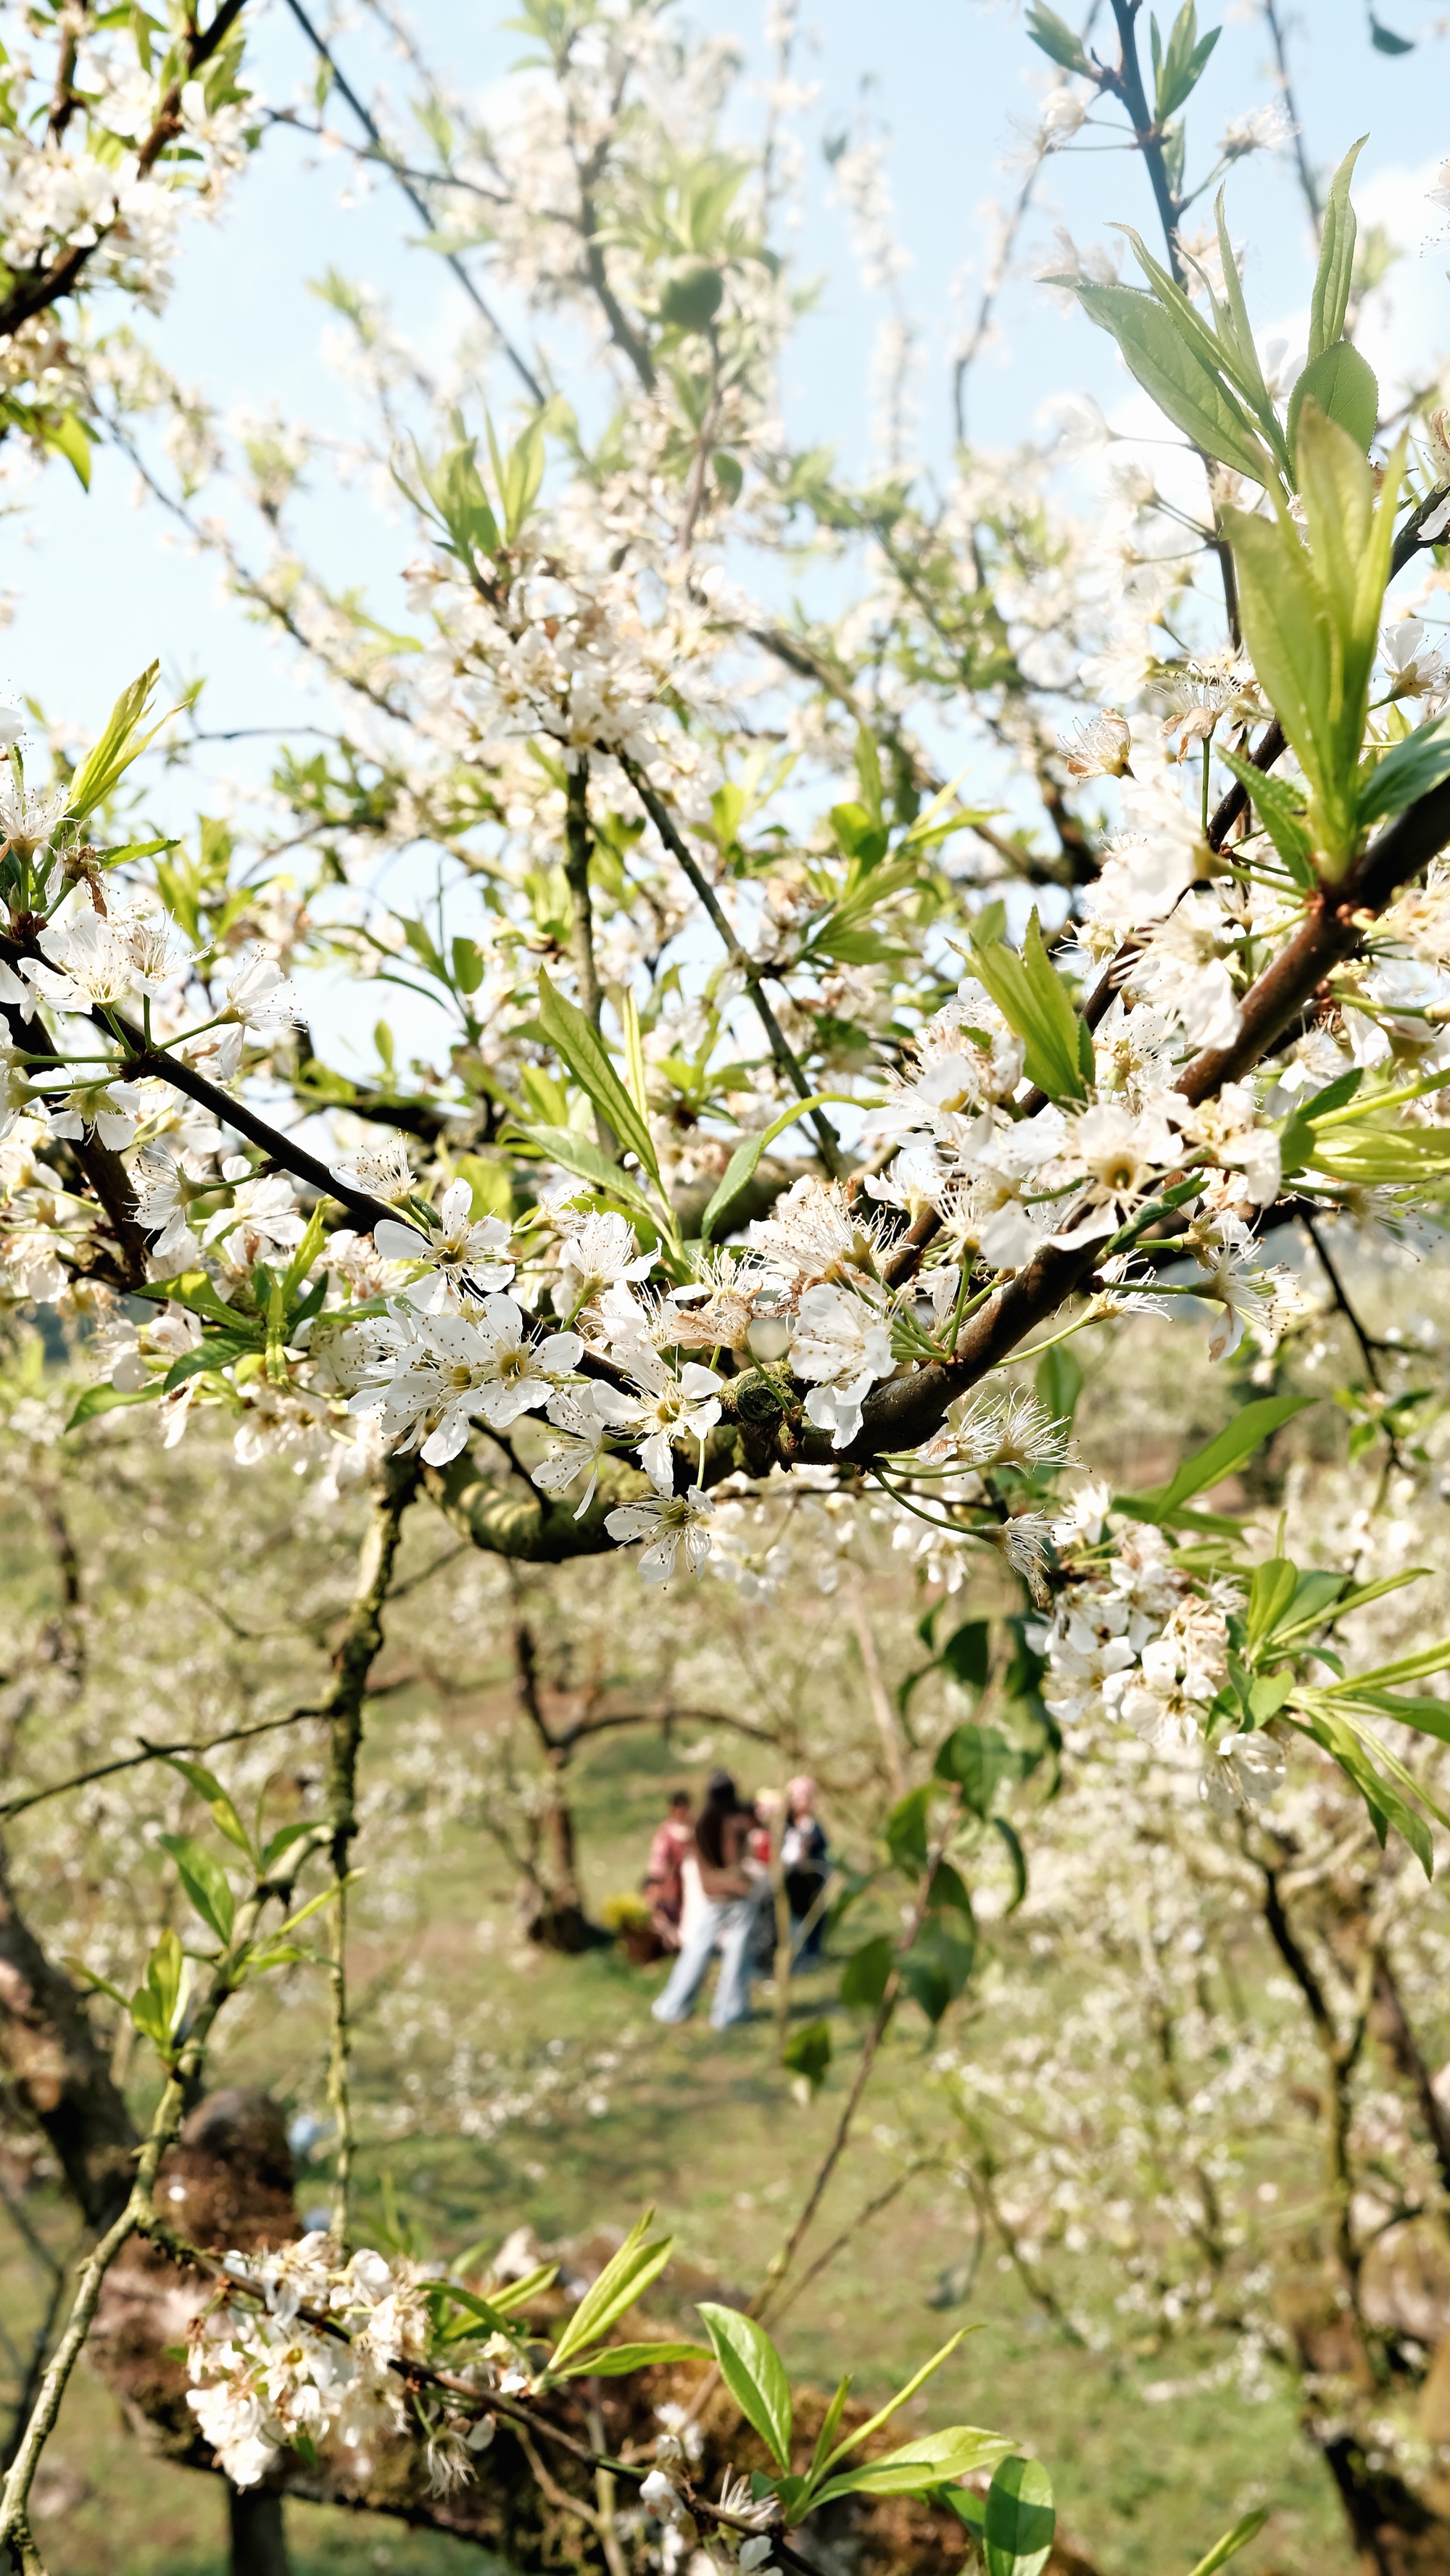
{"x":109,"y":162}
{"x":1135,"y":1639}
{"x":576,"y":663}
{"x":267,"y":2377}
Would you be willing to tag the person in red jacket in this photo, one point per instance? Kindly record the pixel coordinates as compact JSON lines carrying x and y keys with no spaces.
{"x":664,"y":1883}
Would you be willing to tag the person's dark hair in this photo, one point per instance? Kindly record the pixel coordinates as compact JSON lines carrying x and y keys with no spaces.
{"x":680,"y":1798}
{"x":721,"y":1801}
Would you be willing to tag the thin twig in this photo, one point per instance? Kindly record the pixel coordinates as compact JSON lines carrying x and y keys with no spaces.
{"x":521,"y":368}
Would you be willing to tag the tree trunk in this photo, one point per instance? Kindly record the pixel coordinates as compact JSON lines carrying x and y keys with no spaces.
{"x":60,"y":2076}
{"x":259,"y":2542}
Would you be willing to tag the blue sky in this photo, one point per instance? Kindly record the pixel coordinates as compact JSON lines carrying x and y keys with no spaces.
{"x":100,"y":587}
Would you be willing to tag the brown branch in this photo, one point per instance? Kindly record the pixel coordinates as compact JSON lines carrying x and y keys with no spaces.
{"x":904,"y":1412}
{"x":780,"y":1048}
{"x":27,"y":1798}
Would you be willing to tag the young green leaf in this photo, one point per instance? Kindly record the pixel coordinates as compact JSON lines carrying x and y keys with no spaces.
{"x":1245,"y":2529}
{"x":742,"y":1163}
{"x":1195,"y":398}
{"x":1055,"y":38}
{"x":583,"y":1050}
{"x":1019,"y":2522}
{"x":864,"y":1976}
{"x":1179,"y":66}
{"x":1221,"y":1456}
{"x":1271,"y":1592}
{"x":1408,"y":771}
{"x":121,"y":742}
{"x":830,"y":2426}
{"x":1033,"y":1001}
{"x":1345,"y":387}
{"x":930,"y":2461}
{"x":205,"y":1882}
{"x":578,"y":1154}
{"x":754,"y":2374}
{"x":618,"y":2358}
{"x":1280,"y":809}
{"x":514,"y":2295}
{"x":807,"y":2052}
{"x":106,"y":1399}
{"x":224,"y":1814}
{"x":1329,"y":302}
{"x":1340,"y":1738}
{"x":624,"y":2279}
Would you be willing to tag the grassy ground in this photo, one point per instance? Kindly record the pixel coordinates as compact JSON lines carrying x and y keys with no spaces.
{"x":607,"y":2112}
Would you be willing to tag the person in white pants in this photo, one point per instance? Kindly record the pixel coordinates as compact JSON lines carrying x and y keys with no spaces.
{"x":725,"y":1917}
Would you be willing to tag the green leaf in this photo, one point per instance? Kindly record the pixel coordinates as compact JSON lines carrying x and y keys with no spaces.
{"x":967,"y":1655}
{"x":1018,"y":1858}
{"x":807,"y":2052}
{"x":1182,"y":63}
{"x":978,"y":1759}
{"x":121,"y":742}
{"x":1221,"y":1456}
{"x":518,"y":475}
{"x":617,"y":2358}
{"x":488,"y":2315}
{"x":1297,"y":1137}
{"x":754,"y":2374}
{"x":742,"y":1163}
{"x":69,"y":438}
{"x":106,"y":1399}
{"x":1407,"y":1668}
{"x":205,"y":1882}
{"x":1410,"y":770}
{"x":1384,"y":39}
{"x":1375,"y":1157}
{"x":939,"y":1962}
{"x":1427,"y":1716}
{"x":1345,"y":387}
{"x":864,"y":1976}
{"x":282,"y":1841}
{"x":207,"y":1786}
{"x":1288,"y":631}
{"x":1055,"y":38}
{"x":1271,"y":1592}
{"x":583,"y":1050}
{"x":906,"y":1830}
{"x":575,"y":1153}
{"x":868,"y":770}
{"x":830,"y":2426}
{"x":1245,"y":2529}
{"x":168,"y":1980}
{"x":624,"y":2279}
{"x":1386,"y":1807}
{"x":1193,"y":396}
{"x":1280,"y":809}
{"x":314,"y":1236}
{"x":1330,"y":300}
{"x":1033,"y":1001}
{"x":1058,"y":1382}
{"x":516,"y":2294}
{"x":930,"y":2461}
{"x":1019,"y":2522}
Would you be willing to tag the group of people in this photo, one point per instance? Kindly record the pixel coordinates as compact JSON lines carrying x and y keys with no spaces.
{"x":710,"y":1887}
